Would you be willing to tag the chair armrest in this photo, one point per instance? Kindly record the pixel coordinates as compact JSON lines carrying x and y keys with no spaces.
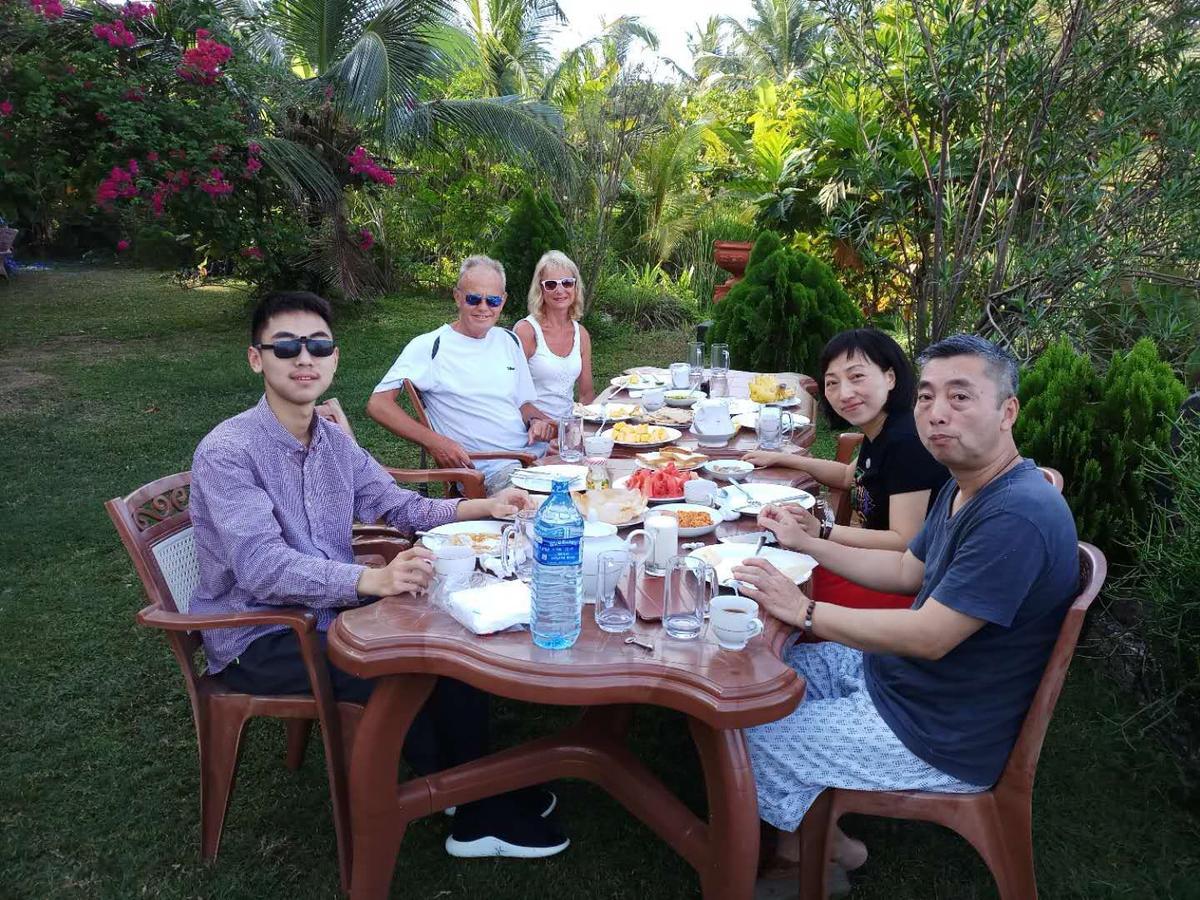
{"x":300,"y":620}
{"x":383,"y":547}
{"x":471,"y":479}
{"x":525,"y":459}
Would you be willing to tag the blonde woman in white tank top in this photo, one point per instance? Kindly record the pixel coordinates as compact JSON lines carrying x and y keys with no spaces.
{"x":558,"y":348}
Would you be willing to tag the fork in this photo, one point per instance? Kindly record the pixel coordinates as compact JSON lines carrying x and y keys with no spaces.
{"x":737,"y":484}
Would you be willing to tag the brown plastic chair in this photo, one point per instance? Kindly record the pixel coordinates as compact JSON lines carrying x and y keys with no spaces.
{"x":155,"y":526}
{"x":418,"y":406}
{"x":998,"y":822}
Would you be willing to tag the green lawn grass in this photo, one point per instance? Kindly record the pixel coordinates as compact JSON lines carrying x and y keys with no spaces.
{"x":110,"y":379}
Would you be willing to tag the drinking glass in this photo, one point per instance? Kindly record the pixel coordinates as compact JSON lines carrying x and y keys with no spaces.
{"x":718,"y":384}
{"x":689,"y":587}
{"x":680,"y":373}
{"x":570,"y":439}
{"x":616,"y":591}
{"x":516,"y":545}
{"x":696,"y":354}
{"x":774,"y":427}
{"x":719,"y":359}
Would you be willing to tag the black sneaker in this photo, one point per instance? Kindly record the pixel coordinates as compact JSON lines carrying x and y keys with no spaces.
{"x":504,"y":829}
{"x":537,"y":801}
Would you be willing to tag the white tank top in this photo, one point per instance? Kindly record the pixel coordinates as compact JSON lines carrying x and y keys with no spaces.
{"x":554,"y":376}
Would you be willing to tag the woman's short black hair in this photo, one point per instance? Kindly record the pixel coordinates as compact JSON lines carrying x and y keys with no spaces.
{"x":288,"y":301}
{"x":879,"y":348}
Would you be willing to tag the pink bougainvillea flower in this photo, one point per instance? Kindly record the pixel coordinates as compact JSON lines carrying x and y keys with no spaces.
{"x":118,"y":185}
{"x":252,"y":167}
{"x":132,"y":166}
{"x":71,"y":70}
{"x":50,"y":9}
{"x":138,"y":11}
{"x":122,"y":245}
{"x":101,"y":116}
{"x":152,"y":156}
{"x":6,"y":108}
{"x":115,"y":33}
{"x":87,"y":85}
{"x":202,"y":63}
{"x":361,"y":163}
{"x":366,"y":240}
{"x":254,"y":148}
{"x":252,"y":253}
{"x":215,"y":184}
{"x":134,"y":94}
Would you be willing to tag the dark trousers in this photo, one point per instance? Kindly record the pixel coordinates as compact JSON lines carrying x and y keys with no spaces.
{"x":451,"y":728}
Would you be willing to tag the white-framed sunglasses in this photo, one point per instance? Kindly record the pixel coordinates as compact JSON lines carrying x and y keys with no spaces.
{"x":551,"y":284}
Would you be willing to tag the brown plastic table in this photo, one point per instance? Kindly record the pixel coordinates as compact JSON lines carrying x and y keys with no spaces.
{"x":406,"y":642}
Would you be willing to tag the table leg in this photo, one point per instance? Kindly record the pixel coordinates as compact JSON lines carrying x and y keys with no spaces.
{"x":732,"y":813}
{"x":378,"y":821}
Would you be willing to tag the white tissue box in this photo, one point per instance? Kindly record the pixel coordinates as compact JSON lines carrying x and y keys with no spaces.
{"x":491,"y":608}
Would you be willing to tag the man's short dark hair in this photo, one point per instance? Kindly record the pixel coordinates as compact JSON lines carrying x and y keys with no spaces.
{"x":1000,"y":364}
{"x":288,"y":301}
{"x":871,"y":344}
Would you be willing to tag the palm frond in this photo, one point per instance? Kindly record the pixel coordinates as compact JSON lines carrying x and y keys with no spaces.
{"x":306,"y":176}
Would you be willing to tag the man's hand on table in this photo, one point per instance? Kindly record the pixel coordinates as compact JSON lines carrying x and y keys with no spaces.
{"x":542,"y":430}
{"x":508,"y":502}
{"x":409,"y":572}
{"x":449,"y":453}
{"x":794,"y":527}
{"x":771,"y":589}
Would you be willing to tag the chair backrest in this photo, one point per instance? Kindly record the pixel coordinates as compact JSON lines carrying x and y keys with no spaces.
{"x":155,"y":526}
{"x":332,"y":411}
{"x":847,"y":445}
{"x":418,"y":405}
{"x":1054,"y":477}
{"x":1022,"y":763}
{"x":7,"y":237}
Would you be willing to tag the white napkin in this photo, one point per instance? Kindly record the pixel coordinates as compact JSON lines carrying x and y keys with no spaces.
{"x":495,"y":565}
{"x":491,"y":608}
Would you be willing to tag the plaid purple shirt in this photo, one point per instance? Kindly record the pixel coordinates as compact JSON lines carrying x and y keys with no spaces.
{"x":272,"y":521}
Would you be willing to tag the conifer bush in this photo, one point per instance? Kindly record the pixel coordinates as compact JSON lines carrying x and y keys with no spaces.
{"x":535,"y":227}
{"x":1092,"y":428}
{"x":779,"y":316}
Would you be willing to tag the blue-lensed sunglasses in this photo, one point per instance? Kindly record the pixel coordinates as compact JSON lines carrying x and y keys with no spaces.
{"x":493,"y":300}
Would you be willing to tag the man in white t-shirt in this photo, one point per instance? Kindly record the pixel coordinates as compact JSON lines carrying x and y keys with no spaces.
{"x":474,"y":381}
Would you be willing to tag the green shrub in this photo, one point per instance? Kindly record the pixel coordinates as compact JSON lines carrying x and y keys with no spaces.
{"x":534,"y":227}
{"x":779,"y":316}
{"x":1165,"y":581}
{"x":1092,"y":429}
{"x":646,"y":298}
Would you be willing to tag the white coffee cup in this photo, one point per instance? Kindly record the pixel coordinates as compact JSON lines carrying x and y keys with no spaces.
{"x":451,"y":559}
{"x":653,"y":399}
{"x":699,"y":490}
{"x":734,"y":621}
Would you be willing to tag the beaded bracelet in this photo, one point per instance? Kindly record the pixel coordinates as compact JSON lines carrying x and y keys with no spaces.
{"x":808,"y":616}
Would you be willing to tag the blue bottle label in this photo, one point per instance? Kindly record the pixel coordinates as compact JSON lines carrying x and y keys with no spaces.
{"x":558,"y":551}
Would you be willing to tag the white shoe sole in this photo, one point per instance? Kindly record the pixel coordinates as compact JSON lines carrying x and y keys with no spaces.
{"x":494,"y":846}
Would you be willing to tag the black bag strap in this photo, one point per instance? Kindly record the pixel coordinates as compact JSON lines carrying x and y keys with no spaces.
{"x":437,"y":341}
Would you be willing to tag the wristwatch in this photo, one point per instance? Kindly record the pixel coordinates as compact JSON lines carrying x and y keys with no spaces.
{"x":826,"y":531}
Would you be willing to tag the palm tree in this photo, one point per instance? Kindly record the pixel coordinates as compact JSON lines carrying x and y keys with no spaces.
{"x":777,"y":42}
{"x":510,"y":42}
{"x":371,"y":70}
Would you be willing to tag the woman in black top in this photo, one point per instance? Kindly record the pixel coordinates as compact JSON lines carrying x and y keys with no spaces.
{"x":869,"y":383}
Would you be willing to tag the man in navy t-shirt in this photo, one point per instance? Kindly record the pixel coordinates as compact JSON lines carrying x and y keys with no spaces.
{"x":930,"y":697}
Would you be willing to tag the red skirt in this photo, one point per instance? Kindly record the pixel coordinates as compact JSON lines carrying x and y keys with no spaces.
{"x":830,"y":588}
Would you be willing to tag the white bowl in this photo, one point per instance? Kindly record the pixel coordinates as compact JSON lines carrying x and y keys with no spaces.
{"x":683,"y":399}
{"x":713,"y":440}
{"x":713,"y":515}
{"x":723,"y":468}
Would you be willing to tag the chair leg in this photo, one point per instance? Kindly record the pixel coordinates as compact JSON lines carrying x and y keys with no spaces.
{"x":298,"y":731}
{"x":1004,"y":838}
{"x":220,"y":746}
{"x":815,"y":830}
{"x":350,"y":715}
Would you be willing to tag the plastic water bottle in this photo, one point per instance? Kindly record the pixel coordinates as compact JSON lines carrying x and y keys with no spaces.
{"x":557,"y":586}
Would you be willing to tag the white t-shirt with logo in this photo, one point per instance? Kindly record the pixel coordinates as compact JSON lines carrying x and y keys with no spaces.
{"x":473,"y":389}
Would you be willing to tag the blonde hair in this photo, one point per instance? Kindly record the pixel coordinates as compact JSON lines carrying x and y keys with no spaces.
{"x":560,"y":259}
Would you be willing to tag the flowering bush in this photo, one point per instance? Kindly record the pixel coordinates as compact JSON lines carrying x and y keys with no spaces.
{"x":115,"y":33}
{"x":49,"y":9}
{"x":202,"y":64}
{"x":361,"y":163}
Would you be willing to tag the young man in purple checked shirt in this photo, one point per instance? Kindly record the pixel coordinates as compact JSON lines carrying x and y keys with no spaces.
{"x":274,"y":493}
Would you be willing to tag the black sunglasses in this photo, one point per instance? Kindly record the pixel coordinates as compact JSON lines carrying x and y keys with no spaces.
{"x":290,"y":347}
{"x":493,"y":300}
{"x":551,"y":283}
